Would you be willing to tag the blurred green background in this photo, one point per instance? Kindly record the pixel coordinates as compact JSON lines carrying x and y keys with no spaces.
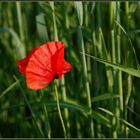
{"x":96,"y":100}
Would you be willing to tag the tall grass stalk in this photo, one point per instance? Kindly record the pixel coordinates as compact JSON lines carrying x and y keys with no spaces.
{"x":66,"y":113}
{"x":20,"y":23}
{"x":99,"y":49}
{"x":62,"y":81}
{"x":129,"y":77}
{"x":120,"y":82}
{"x":114,"y":104}
{"x":59,"y":111}
{"x":79,"y":8}
{"x":54,"y":21}
{"x":94,"y":66}
{"x":46,"y":117}
{"x":115,"y":80}
{"x":87,"y":88}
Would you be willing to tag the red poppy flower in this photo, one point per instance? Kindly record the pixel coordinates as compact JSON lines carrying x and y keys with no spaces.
{"x":43,"y":64}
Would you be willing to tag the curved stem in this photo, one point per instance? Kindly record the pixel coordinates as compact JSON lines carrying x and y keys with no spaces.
{"x":47,"y":123}
{"x":59,"y":111}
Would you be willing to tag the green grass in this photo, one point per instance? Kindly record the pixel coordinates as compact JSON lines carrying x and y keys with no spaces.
{"x":100,"y":97}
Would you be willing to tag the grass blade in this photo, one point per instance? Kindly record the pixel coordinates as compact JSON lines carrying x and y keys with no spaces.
{"x":104,"y":97}
{"x":99,"y":117}
{"x":128,"y":70}
{"x":122,"y":120}
{"x":9,"y":88}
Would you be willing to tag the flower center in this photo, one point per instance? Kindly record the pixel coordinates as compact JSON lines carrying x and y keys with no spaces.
{"x":56,"y":76}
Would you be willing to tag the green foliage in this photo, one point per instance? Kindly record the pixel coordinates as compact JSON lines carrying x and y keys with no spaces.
{"x":100,"y":97}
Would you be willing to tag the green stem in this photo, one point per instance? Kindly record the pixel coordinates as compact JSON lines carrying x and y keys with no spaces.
{"x":62,"y":81}
{"x":115,"y":107}
{"x":129,"y":78}
{"x":66,"y":113}
{"x":87,"y":87}
{"x":120,"y":86}
{"x":21,"y":29}
{"x":120,"y":82}
{"x":59,"y":111}
{"x":99,"y":49}
{"x":114,"y":104}
{"x":54,"y":22}
{"x":111,"y":12}
{"x":20,"y":22}
{"x":47,"y":123}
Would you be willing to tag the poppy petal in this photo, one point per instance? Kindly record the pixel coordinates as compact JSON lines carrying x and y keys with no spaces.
{"x":54,"y":46}
{"x":67,"y":67}
{"x":58,"y":62}
{"x":36,"y":81}
{"x":39,"y":71}
{"x":22,"y":64}
{"x":43,"y":64}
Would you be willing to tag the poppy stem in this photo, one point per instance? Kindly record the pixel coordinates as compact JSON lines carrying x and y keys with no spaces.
{"x":59,"y":111}
{"x":47,"y":123}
